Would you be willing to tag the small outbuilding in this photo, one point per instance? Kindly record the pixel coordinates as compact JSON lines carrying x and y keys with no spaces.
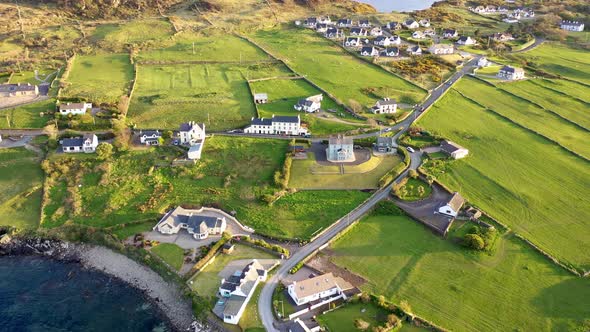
{"x":453,"y":206}
{"x":260,"y":98}
{"x":453,"y":149}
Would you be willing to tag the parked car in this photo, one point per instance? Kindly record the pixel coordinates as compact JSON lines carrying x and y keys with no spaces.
{"x":409,"y":148}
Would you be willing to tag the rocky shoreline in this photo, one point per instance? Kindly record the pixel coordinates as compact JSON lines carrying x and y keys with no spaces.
{"x":166,"y":296}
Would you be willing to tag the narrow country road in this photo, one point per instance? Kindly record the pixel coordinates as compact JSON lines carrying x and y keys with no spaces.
{"x":265,"y":300}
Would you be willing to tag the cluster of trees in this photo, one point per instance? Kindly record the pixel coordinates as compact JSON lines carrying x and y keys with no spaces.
{"x":479,"y":238}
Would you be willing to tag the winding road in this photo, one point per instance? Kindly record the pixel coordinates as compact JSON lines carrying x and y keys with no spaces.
{"x":265,"y":299}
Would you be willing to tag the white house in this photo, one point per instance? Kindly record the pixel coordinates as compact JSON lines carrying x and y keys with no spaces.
{"x":482,"y":62}
{"x":74,"y":108}
{"x":18,"y":89}
{"x":418,"y":35}
{"x":310,"y":22}
{"x":86,"y":144}
{"x":321,"y":27}
{"x":384,"y":106}
{"x":369,"y":51}
{"x":334,"y":33}
{"x":414,"y":50}
{"x":324,"y":20}
{"x":510,"y":73}
{"x":429,"y":33}
{"x":277,"y":125}
{"x":344,"y":23}
{"x":364,"y":23}
{"x":236,"y":290}
{"x":440,"y":49}
{"x":376,"y":31}
{"x":358,"y":32}
{"x":453,"y":149}
{"x":572,"y":26}
{"x":393,"y":26}
{"x":310,"y":104}
{"x":325,"y":286}
{"x":352,"y":41}
{"x":450,"y":33}
{"x":453,"y":206}
{"x":382,"y":41}
{"x":149,"y":137}
{"x":466,"y":40}
{"x":424,"y":22}
{"x":390,"y":52}
{"x":191,"y":133}
{"x":395,"y":40}
{"x":260,"y":98}
{"x":340,"y":149}
{"x":411,"y":24}
{"x":196,"y":222}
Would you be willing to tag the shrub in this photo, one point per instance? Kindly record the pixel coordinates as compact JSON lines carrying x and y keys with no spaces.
{"x":104,"y":151}
{"x":296,"y":268}
{"x":413,"y":173}
{"x":365,"y":298}
{"x":361,"y":324}
{"x":474,"y":241}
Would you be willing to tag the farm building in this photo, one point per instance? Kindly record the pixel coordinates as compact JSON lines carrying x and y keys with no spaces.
{"x":453,"y":149}
{"x":260,"y":98}
{"x":340,"y":149}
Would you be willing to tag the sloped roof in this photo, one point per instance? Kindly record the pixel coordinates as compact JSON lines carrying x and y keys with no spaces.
{"x":450,"y":147}
{"x":319,"y":284}
{"x":456,"y":201}
{"x":285,"y":118}
{"x":340,"y":139}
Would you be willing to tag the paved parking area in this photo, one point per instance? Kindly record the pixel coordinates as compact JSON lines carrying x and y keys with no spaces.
{"x":424,"y":210}
{"x":10,"y":143}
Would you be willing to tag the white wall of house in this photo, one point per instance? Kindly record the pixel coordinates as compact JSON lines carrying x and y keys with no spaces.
{"x":76,"y":111}
{"x":461,"y":153}
{"x":327,"y":293}
{"x":447,"y":210}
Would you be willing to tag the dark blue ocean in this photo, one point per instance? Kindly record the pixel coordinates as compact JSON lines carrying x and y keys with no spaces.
{"x":39,"y":294}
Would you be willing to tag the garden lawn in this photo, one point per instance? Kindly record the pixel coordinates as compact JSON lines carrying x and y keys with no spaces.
{"x":166,"y":96}
{"x":561,"y":60}
{"x":100,"y":78}
{"x":218,"y":48}
{"x":518,"y":177}
{"x":170,"y":253}
{"x":411,"y":190}
{"x":564,"y":105}
{"x":206,"y":283}
{"x":528,"y":115}
{"x":335,"y":70}
{"x":342,"y":319}
{"x":459,"y":289}
{"x":307,"y":174}
{"x":234,"y":174}
{"x":21,"y":180}
{"x":27,"y":116}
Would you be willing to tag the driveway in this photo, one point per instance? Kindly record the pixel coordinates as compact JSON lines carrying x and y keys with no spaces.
{"x":8,"y":143}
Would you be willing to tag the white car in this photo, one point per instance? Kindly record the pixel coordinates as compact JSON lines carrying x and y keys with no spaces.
{"x":409,"y":148}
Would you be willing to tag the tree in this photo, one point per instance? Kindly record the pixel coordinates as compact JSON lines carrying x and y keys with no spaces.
{"x":167,"y":134}
{"x":104,"y":151}
{"x":474,"y":241}
{"x":355,"y":106}
{"x":365,"y":298}
{"x":392,"y":319}
{"x":381,"y":301}
{"x":413,"y":174}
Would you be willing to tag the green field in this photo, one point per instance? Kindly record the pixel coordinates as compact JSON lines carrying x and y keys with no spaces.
{"x":170,"y":253}
{"x":518,"y":177}
{"x":334,"y":69}
{"x":560,"y":60}
{"x":211,"y":48}
{"x":283,"y":94}
{"x":308,"y":174}
{"x":573,"y":89}
{"x":563,"y":105}
{"x":27,"y":116}
{"x":99,"y":78}
{"x":342,"y":319}
{"x":147,"y":33}
{"x":21,"y":180}
{"x":166,"y":96}
{"x":512,"y":288}
{"x":234,"y":174}
{"x":528,"y":115}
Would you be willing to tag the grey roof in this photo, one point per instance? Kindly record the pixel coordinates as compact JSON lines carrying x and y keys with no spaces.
{"x":389,"y":50}
{"x":364,"y":22}
{"x":381,"y":38}
{"x":17,"y":87}
{"x":464,"y":38}
{"x":305,"y":102}
{"x":574,"y":23}
{"x":195,"y":221}
{"x":233,"y":305}
{"x":285,"y":118}
{"x":414,"y":48}
{"x":155,"y":133}
{"x":456,"y":201}
{"x":311,"y":20}
{"x":386,"y":101}
{"x":367,"y":49}
{"x":187,"y":126}
{"x":410,"y":21}
{"x":387,"y":141}
{"x":261,"y":122}
{"x":510,"y":69}
{"x":340,"y":139}
{"x":450,"y":31}
{"x":344,"y":21}
{"x":450,"y":147}
{"x":352,"y":38}
{"x":356,"y":30}
{"x":332,"y":31}
{"x":70,"y":142}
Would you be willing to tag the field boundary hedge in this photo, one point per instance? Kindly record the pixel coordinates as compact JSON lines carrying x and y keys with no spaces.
{"x":252,"y":98}
{"x":559,"y":92}
{"x":522,"y":126}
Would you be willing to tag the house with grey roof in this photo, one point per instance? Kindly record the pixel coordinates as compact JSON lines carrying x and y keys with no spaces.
{"x":199,"y":225}
{"x":191,"y":132}
{"x":386,"y":144}
{"x":466,"y":40}
{"x":358,"y":32}
{"x":510,"y":73}
{"x":452,"y":207}
{"x":440,"y":49}
{"x":449,"y":33}
{"x":352,"y":41}
{"x":369,"y":51}
{"x":149,"y":137}
{"x":414,"y":50}
{"x":18,"y":90}
{"x":344,"y":23}
{"x":390,"y":52}
{"x":393,"y":26}
{"x":572,"y":26}
{"x":340,"y":149}
{"x":236,"y":290}
{"x":411,"y":24}
{"x":277,"y":125}
{"x":334,"y":33}
{"x":74,"y":108}
{"x":310,"y":104}
{"x":364,"y":23}
{"x":384,"y":106}
{"x":86,"y":144}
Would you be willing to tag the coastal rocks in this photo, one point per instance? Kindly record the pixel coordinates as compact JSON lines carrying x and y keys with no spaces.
{"x":35,"y":246}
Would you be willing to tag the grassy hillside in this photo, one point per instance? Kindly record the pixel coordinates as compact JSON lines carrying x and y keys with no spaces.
{"x":512,"y":288}
{"x":518,"y":177}
{"x":560,"y":60}
{"x":334,"y":69}
{"x":21,"y":180}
